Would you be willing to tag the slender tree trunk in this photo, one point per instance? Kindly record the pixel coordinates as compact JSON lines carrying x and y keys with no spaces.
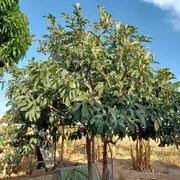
{"x":93,"y":151}
{"x":137,"y":153}
{"x":55,"y":150}
{"x":89,"y":157}
{"x":148,"y":164}
{"x":62,"y":145}
{"x":112,"y":167}
{"x":104,"y":173}
{"x":141,"y":155}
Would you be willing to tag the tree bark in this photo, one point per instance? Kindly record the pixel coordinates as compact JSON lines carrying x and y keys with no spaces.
{"x":62,"y":145}
{"x":93,"y":151}
{"x":112,"y":168}
{"x":89,"y":157}
{"x":104,"y":173}
{"x":55,"y":150}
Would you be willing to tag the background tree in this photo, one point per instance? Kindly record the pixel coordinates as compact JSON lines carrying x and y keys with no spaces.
{"x":98,"y":75}
{"x":15,"y":37}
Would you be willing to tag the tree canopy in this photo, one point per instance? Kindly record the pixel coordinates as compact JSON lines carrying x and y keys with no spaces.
{"x":15,"y":37}
{"x":99,"y":75}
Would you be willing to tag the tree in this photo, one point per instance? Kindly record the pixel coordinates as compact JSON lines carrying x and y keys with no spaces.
{"x":15,"y":37}
{"x":44,"y":115}
{"x":98,"y":75}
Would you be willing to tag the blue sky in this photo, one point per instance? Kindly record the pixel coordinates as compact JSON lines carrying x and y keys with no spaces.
{"x":159,"y":19}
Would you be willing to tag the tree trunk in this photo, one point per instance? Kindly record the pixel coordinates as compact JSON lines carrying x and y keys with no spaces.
{"x":93,"y":151}
{"x":104,"y":173}
{"x":89,"y":157}
{"x":142,"y":161}
{"x":112,"y":168}
{"x":55,"y":150}
{"x":62,"y":145}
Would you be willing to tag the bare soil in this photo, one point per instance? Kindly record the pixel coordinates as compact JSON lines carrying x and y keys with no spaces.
{"x":166,"y":163}
{"x":123,"y":170}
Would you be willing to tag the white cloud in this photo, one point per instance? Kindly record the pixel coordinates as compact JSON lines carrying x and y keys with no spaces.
{"x":173,"y":6}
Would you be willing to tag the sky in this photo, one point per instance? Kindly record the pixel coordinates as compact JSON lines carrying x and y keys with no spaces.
{"x":159,"y":19}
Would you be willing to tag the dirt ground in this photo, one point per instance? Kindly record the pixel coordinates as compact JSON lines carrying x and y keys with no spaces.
{"x":123,"y":171}
{"x":165,"y":163}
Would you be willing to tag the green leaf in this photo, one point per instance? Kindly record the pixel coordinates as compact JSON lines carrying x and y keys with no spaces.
{"x":67,"y":102}
{"x":89,"y":87}
{"x":85,"y":112}
{"x":23,"y":103}
{"x":92,"y":121}
{"x":156,"y":126}
{"x":142,"y":119}
{"x":25,"y":108}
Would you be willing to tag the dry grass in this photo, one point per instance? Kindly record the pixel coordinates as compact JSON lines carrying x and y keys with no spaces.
{"x":121,"y":176}
{"x":169,"y":155}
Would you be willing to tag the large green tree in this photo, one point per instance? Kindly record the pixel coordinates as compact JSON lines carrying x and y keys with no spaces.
{"x":98,"y":75}
{"x":15,"y":37}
